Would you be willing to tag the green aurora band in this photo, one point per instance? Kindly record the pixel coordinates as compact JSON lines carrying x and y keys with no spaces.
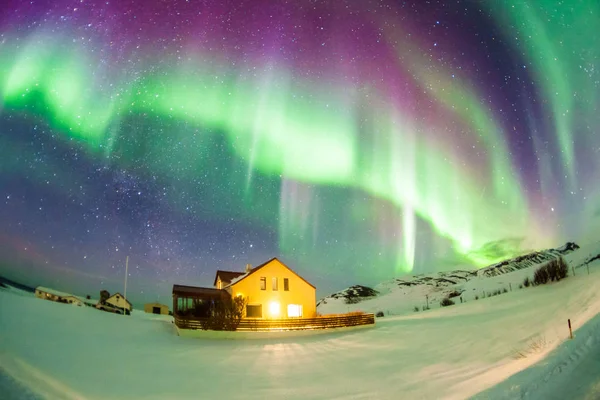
{"x":308,"y":133}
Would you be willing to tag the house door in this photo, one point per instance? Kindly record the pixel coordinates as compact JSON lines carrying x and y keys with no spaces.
{"x":155,"y":310}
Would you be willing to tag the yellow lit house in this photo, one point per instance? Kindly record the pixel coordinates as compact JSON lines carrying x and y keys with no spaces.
{"x":273,"y":290}
{"x":270,"y":291}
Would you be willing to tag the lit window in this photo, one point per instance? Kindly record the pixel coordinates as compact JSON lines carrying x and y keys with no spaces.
{"x":286,"y":284}
{"x":275,"y":283}
{"x":263,"y":283}
{"x":294,"y":310}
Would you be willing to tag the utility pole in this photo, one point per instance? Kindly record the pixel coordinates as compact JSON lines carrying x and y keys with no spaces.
{"x":125,"y":290}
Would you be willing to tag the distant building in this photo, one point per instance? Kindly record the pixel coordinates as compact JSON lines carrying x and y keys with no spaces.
{"x":118,"y":301}
{"x":59,"y":297}
{"x":156,"y":308}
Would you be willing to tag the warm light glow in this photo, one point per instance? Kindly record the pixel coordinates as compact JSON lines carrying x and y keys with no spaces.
{"x":294,"y":310}
{"x":274,"y":308}
{"x":239,"y":295}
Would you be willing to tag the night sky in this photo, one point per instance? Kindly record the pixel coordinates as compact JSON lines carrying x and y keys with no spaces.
{"x":354,"y":140}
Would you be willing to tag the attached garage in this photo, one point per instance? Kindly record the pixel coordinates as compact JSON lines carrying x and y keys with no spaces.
{"x":156,"y":308}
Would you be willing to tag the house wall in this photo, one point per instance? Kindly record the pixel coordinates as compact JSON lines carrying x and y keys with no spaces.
{"x":118,"y":301}
{"x":149,"y":308}
{"x":53,"y":297}
{"x":73,"y":300}
{"x":45,"y":295}
{"x":300,"y":292}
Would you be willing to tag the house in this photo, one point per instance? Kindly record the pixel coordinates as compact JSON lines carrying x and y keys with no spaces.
{"x":271,"y":290}
{"x":156,"y":308}
{"x":118,"y":301}
{"x":60,"y":297}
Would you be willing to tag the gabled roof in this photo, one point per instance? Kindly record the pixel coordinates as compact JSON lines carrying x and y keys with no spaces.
{"x":226,"y":276}
{"x":130,"y":305}
{"x":253,"y":270}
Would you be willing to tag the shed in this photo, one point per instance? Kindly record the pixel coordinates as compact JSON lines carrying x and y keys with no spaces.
{"x":156,"y":308}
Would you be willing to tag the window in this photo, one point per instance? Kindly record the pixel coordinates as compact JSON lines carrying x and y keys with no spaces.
{"x":219,"y":286}
{"x":286,"y":284}
{"x":275,"y":283}
{"x":294,"y":310}
{"x":263,"y":283}
{"x":254,"y":311}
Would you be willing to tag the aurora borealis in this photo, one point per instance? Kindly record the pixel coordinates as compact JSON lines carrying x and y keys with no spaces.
{"x":354,"y":140}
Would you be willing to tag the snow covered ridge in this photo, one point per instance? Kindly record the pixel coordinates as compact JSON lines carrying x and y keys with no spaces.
{"x":352,"y":295}
{"x":527,"y":260}
{"x":427,"y":289}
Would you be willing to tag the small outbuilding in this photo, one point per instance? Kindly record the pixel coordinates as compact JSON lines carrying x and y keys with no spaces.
{"x":156,"y":308}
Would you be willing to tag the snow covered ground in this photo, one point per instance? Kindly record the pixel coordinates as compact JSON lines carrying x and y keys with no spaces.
{"x":571,"y":371}
{"x":62,"y":352}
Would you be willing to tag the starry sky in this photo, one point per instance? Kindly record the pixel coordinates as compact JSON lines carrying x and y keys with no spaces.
{"x":355,"y":140}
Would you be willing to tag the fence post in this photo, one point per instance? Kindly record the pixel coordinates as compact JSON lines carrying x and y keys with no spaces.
{"x":588,"y":267}
{"x":427,"y":300}
{"x":573,"y":268}
{"x":510,"y":286}
{"x":570,"y":330}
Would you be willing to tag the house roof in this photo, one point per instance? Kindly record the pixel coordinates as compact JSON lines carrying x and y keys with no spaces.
{"x":195,"y":290}
{"x":130,"y":305}
{"x":226,"y":276}
{"x":253,"y":270}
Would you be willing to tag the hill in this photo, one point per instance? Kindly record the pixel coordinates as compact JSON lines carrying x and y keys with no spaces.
{"x":407,"y":293}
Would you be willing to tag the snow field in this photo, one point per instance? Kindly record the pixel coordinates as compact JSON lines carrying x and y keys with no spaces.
{"x":63,"y":352}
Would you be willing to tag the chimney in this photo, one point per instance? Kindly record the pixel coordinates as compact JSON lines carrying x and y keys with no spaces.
{"x":248,"y":267}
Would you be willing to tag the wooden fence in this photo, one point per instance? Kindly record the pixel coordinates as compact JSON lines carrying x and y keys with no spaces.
{"x":262,"y":325}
